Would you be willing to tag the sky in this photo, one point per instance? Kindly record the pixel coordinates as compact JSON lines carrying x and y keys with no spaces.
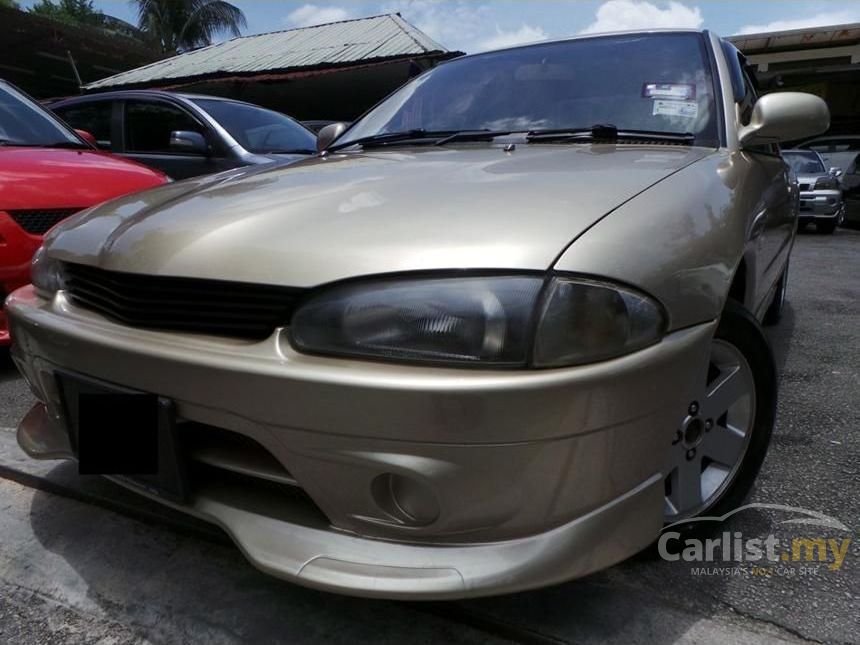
{"x":475,"y":25}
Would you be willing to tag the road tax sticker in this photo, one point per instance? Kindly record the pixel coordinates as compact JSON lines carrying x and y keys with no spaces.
{"x":686,"y":109}
{"x":681,"y":91}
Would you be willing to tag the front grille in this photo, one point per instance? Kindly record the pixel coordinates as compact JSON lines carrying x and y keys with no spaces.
{"x":235,"y":309}
{"x":804,"y":187}
{"x":40,"y":220}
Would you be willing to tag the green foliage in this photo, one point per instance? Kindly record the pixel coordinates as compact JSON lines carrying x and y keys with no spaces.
{"x":74,"y":12}
{"x":178,"y":25}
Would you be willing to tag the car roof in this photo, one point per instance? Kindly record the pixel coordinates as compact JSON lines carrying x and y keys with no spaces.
{"x":119,"y":94}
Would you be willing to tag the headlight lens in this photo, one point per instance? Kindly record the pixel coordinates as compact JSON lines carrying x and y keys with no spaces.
{"x":493,"y":321}
{"x":46,"y":273}
{"x":466,"y":320}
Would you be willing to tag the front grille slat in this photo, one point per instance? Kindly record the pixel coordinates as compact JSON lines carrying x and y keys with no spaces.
{"x":239,"y":310}
{"x":157,"y":321}
{"x":38,"y":221}
{"x":143,"y":284}
{"x":119,"y":300}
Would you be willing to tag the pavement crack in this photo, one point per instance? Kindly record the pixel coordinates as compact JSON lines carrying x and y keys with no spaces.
{"x":766,"y":621}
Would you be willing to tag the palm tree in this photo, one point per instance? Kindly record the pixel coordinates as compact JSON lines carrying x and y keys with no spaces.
{"x":178,"y":25}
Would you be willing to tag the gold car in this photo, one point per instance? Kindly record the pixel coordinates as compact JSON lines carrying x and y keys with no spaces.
{"x":493,"y":337}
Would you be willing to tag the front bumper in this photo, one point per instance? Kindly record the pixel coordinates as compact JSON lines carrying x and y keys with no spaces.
{"x":820,"y":204}
{"x":532,"y":477}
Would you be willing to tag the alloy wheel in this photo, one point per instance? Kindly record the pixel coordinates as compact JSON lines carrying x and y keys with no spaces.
{"x":709,"y":448}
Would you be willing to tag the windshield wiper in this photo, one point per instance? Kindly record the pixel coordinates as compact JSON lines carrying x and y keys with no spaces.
{"x":471,"y":135}
{"x":17,"y":144}
{"x":420,"y":135}
{"x":292,"y":151}
{"x":383,"y":139}
{"x":65,"y":144}
{"x":58,"y":144}
{"x":608,"y":133}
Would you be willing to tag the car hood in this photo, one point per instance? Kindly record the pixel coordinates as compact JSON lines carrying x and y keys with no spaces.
{"x":34,"y":178}
{"x":345,"y":215}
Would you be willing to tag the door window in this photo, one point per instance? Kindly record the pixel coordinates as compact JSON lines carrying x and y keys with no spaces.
{"x":148,"y":126}
{"x":94,"y":117}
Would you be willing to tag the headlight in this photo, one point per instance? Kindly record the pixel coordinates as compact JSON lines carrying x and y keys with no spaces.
{"x":46,"y":273}
{"x":465,"y":320}
{"x":494,"y":321}
{"x":826,"y":183}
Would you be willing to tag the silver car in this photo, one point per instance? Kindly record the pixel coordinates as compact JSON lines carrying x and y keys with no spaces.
{"x":820,"y":193}
{"x":842,"y":153}
{"x":186,"y":135}
{"x":493,"y":337}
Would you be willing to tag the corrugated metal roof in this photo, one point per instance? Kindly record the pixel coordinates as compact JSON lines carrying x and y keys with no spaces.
{"x":810,"y":38}
{"x":331,"y":44}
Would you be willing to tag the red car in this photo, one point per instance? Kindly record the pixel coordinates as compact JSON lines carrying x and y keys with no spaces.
{"x":47,"y":173}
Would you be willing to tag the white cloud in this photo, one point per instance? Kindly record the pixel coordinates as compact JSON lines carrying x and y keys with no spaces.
{"x":618,"y":15}
{"x":502,"y":38}
{"x":455,"y":25}
{"x":815,"y":20}
{"x":311,"y":14}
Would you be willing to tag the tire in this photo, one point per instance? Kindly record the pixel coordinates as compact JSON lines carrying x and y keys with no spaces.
{"x":740,"y":337}
{"x":826,"y":227}
{"x":774,"y":311}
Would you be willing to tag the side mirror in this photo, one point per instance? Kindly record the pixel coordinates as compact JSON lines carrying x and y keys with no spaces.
{"x":188,"y":141}
{"x":785,"y":116}
{"x":835,"y":172}
{"x":88,"y":137}
{"x":328,"y":134}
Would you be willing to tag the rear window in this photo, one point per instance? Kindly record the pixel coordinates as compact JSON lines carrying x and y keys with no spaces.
{"x":95,"y":118}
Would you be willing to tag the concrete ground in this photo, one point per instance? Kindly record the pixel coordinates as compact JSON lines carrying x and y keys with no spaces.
{"x":84,"y":561}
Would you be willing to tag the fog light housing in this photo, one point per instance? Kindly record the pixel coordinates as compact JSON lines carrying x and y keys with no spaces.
{"x":407,"y":500}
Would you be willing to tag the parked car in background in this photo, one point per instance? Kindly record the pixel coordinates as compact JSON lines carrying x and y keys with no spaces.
{"x":842,"y":152}
{"x":504,"y":330}
{"x":47,"y":173}
{"x":186,"y":135}
{"x":820,"y":192}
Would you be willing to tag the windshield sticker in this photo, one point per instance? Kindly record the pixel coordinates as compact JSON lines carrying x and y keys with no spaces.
{"x":682,"y":91}
{"x":686,"y":109}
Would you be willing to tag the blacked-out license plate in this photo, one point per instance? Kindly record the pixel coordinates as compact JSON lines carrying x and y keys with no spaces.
{"x":124,"y":433}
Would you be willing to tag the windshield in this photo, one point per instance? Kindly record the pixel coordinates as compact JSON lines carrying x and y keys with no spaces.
{"x":23,"y":123}
{"x":652,"y":82}
{"x":258,"y":130}
{"x":804,"y":163}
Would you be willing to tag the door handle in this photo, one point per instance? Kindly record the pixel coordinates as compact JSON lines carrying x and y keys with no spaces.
{"x":758,"y":223}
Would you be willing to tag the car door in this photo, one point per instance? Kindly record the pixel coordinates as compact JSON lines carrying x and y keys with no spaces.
{"x":773,"y":224}
{"x":147,"y":125}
